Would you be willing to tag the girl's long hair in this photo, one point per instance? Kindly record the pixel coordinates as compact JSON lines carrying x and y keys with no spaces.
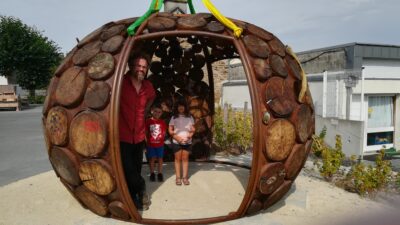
{"x":181,"y":102}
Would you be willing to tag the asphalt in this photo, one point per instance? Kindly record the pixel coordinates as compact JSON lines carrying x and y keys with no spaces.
{"x":22,"y":148}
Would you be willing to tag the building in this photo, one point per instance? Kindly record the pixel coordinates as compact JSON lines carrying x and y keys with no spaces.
{"x":356,"y":93}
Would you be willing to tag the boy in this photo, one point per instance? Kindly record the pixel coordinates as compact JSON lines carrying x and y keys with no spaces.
{"x":155,"y":133}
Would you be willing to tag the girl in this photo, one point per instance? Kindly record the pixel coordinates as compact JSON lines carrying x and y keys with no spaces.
{"x":181,"y":130}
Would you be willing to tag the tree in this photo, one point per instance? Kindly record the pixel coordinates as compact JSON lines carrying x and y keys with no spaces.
{"x":26,"y":54}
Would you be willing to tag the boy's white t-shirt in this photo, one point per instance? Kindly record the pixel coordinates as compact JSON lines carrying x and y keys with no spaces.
{"x":182,"y":126}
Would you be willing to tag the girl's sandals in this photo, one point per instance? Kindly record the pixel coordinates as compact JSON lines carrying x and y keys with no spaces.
{"x":178,"y":181}
{"x":185,"y":181}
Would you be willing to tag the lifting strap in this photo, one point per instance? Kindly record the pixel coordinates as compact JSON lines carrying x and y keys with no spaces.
{"x":154,"y":7}
{"x":237,"y":31}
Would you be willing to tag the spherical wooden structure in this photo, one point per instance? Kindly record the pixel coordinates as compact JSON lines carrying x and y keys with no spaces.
{"x":80,"y":114}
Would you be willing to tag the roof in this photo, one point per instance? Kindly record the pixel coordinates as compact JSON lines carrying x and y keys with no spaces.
{"x":348,"y":45}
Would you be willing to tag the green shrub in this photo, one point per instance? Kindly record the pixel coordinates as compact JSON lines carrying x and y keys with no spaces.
{"x":37,"y":99}
{"x":369,"y":179}
{"x":331,"y":159}
{"x":235,"y":132}
{"x":318,"y":142}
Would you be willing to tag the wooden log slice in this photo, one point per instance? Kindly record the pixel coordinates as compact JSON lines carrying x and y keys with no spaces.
{"x":262,"y":69}
{"x":180,"y":80}
{"x":48,"y":103}
{"x":92,"y":36}
{"x":101,"y":66}
{"x":156,"y":67}
{"x":159,"y":23}
{"x":196,"y":113}
{"x":294,"y":162}
{"x":113,"y":44}
{"x":175,"y":52}
{"x":46,"y":135}
{"x":197,"y":48}
{"x":196,"y":74}
{"x":277,"y":47}
{"x":275,"y":88}
{"x":97,"y":95}
{"x":193,"y":40}
{"x":167,"y":90}
{"x":93,"y":202}
{"x":215,"y":27}
{"x":65,"y":164}
{"x":83,"y":55}
{"x":96,"y":176}
{"x":182,"y":65}
{"x":112,"y":31}
{"x":57,"y":125}
{"x":278,"y":194}
{"x":294,"y":67}
{"x":198,"y":61}
{"x":167,"y":61}
{"x":280,"y":106}
{"x":88,"y":134}
{"x":200,"y":126}
{"x":256,"y":46}
{"x":156,"y":80}
{"x":191,"y":22}
{"x":263,"y":34}
{"x":272,"y":177}
{"x":127,"y":21}
{"x":65,"y":63}
{"x":168,"y":15}
{"x":302,"y":118}
{"x":206,"y":16}
{"x":279,"y":141}
{"x":278,"y":65}
{"x":307,"y":147}
{"x":119,"y":210}
{"x":217,"y":53}
{"x":255,"y":206}
{"x":71,"y":86}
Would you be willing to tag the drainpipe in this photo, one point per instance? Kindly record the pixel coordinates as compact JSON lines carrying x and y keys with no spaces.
{"x":363,"y":118}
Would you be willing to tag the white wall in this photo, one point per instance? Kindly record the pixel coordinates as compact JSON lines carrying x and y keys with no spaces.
{"x":3,"y":80}
{"x":236,"y":96}
{"x":381,"y":68}
{"x":351,"y":133}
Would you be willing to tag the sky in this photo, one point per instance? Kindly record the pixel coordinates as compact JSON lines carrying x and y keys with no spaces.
{"x":302,"y":24}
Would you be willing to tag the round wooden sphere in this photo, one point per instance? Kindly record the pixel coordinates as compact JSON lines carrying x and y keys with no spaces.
{"x":81,"y":122}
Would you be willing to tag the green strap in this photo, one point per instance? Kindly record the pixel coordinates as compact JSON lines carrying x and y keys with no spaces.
{"x":132,"y":28}
{"x":190,"y":3}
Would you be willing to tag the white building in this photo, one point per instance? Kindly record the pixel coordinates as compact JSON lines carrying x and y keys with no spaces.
{"x":356,"y":93}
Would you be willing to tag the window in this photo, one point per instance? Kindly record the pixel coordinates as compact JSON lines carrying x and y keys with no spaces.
{"x":380,"y":122}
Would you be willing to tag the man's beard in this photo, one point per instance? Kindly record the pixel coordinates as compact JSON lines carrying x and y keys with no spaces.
{"x":140,"y":76}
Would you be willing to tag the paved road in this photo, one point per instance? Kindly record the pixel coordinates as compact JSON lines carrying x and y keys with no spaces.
{"x":22,"y":147}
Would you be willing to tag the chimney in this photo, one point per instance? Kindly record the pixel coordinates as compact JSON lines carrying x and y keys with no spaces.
{"x":175,"y":6}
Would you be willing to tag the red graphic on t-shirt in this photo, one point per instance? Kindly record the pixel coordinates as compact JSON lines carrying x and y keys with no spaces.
{"x":156,"y":129}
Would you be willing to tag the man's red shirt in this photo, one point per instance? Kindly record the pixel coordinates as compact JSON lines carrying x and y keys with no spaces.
{"x":132,"y":110}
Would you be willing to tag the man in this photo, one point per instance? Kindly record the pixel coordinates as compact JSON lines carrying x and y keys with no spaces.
{"x":137,"y":96}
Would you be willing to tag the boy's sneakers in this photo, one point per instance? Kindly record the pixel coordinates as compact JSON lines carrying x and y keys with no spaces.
{"x":160,"y":177}
{"x":152,"y":177}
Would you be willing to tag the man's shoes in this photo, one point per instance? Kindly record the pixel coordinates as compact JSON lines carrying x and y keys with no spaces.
{"x":152,"y":177}
{"x":160,"y":177}
{"x":139,"y":205}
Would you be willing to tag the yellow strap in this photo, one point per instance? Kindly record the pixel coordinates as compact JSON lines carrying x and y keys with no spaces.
{"x":303,"y":75}
{"x":221,"y":18}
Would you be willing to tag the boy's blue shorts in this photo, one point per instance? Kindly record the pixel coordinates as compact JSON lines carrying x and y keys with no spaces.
{"x":153,"y":152}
